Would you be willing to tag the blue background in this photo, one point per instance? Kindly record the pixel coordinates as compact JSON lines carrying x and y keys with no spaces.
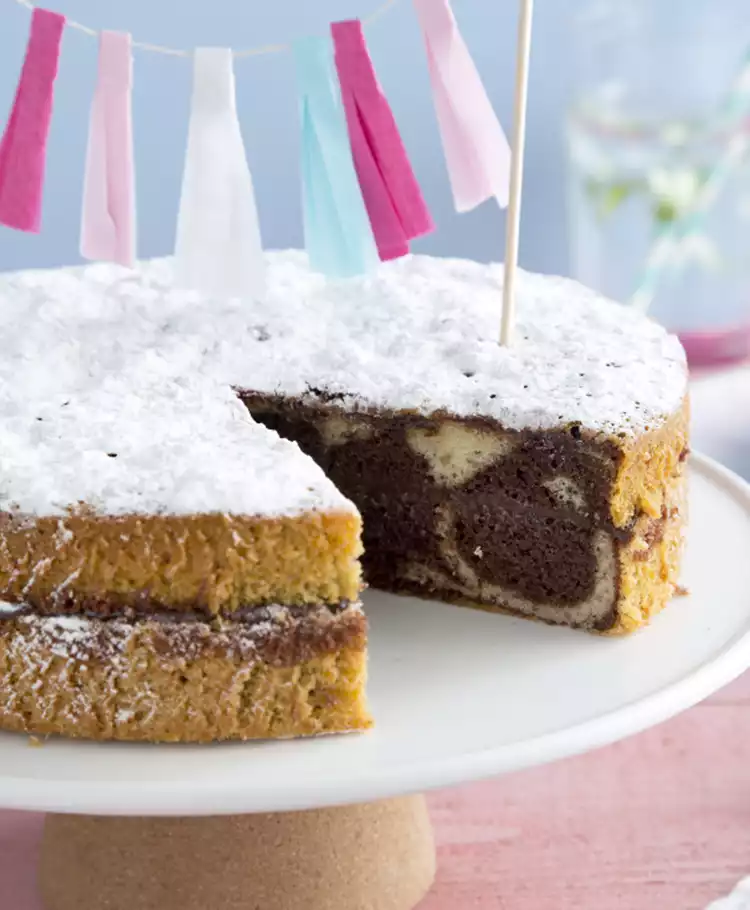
{"x":268,"y":113}
{"x":696,"y":44}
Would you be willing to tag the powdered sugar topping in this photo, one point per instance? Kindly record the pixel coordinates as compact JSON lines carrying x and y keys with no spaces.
{"x":115,"y":387}
{"x":179,"y":447}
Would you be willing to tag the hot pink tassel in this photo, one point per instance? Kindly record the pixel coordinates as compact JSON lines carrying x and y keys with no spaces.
{"x":24,"y":143}
{"x":394,"y":202}
{"x":476,"y":150}
{"x":108,"y":221}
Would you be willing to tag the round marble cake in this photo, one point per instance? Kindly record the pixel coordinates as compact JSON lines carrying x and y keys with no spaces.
{"x":184,"y":481}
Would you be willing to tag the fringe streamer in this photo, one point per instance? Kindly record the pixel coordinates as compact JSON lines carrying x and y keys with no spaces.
{"x":476,"y":149}
{"x":338,"y":235}
{"x":108,"y":220}
{"x":218,"y":249}
{"x":394,"y":201}
{"x":23,"y":148}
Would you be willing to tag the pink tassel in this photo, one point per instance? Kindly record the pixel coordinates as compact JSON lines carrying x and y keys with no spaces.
{"x":394,"y":202}
{"x":476,"y":150}
{"x":108,"y":222}
{"x":24,"y":143}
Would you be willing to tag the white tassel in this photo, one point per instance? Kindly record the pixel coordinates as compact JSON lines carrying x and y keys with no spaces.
{"x":218,"y":250}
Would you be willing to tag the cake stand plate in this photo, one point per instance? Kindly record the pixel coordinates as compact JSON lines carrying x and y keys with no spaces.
{"x":457,"y":695}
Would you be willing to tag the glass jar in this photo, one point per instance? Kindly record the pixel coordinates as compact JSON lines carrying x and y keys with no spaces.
{"x":658,"y":144}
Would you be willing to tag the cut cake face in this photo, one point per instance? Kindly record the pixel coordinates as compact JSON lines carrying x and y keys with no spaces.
{"x":564,"y":526}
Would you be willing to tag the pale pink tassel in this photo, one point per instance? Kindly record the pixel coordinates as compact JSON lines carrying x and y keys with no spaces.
{"x":108,"y":219}
{"x":23,"y":148}
{"x":476,"y":149}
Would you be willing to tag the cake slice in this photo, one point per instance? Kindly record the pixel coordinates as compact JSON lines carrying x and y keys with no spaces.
{"x":172,"y":571}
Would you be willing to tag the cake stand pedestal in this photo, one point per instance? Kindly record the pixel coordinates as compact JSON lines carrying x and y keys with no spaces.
{"x":329,"y":823}
{"x":373,"y":856}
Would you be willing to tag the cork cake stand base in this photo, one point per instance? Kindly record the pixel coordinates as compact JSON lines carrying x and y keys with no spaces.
{"x":375,"y":856}
{"x":457,"y":695}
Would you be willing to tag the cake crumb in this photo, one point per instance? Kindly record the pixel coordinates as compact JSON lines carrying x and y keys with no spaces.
{"x":35,"y":742}
{"x":681,"y":591}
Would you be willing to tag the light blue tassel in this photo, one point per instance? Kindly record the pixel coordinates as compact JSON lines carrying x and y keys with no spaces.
{"x":338,"y":234}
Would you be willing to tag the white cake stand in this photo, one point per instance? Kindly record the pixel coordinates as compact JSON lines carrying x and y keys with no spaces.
{"x":457,"y":694}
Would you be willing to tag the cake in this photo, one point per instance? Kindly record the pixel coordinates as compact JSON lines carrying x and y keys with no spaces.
{"x":151,"y":522}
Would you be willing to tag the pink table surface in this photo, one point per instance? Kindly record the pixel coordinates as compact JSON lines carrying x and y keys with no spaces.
{"x":659,"y":821}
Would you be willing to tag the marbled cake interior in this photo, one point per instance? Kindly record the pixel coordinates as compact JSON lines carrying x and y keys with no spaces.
{"x":465,"y":510}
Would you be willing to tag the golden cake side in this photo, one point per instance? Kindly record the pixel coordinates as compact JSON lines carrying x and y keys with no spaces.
{"x":215,"y":563}
{"x":276,"y":674}
{"x":649,"y":500}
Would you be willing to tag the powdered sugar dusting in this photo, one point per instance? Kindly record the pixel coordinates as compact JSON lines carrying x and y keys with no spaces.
{"x":116,"y":391}
{"x":422,"y":334}
{"x":71,"y":637}
{"x":178,"y":447}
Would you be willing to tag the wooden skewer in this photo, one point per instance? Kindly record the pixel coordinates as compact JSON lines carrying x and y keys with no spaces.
{"x":513,"y":224}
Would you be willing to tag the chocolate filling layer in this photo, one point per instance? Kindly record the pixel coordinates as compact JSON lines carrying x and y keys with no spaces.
{"x":138,"y":605}
{"x":275,"y":635}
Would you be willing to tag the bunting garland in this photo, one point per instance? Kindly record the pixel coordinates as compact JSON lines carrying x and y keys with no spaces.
{"x":361,"y":200}
{"x":476,"y":150}
{"x":218,"y":249}
{"x":23,"y":148}
{"x":338,"y":235}
{"x":394,"y":201}
{"x":108,"y":219}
